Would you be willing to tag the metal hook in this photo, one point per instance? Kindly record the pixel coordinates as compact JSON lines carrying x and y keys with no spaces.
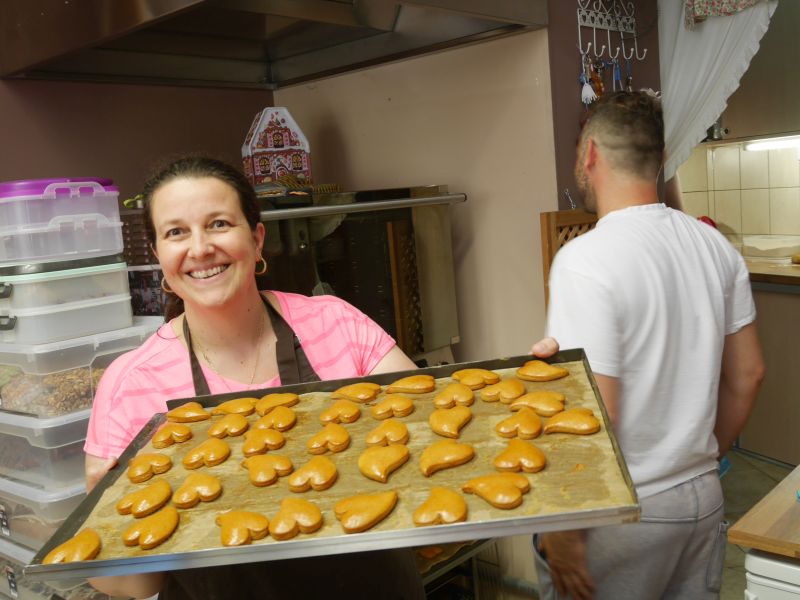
{"x":636,"y":48}
{"x":594,"y":38}
{"x":611,"y":56}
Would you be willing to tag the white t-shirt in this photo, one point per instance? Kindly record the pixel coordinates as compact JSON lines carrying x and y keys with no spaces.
{"x":650,"y":294}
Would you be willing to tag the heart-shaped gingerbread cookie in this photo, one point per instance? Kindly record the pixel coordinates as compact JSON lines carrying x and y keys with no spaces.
{"x":448,"y":422}
{"x":171,"y":433}
{"x":389,"y":432}
{"x":143,"y":466}
{"x":197,"y":487}
{"x":443,"y":506}
{"x":393,"y":405}
{"x":378,"y":462}
{"x":444,"y":454}
{"x":452,"y":394}
{"x":188,"y":413}
{"x":83,"y":546}
{"x":360,"y":513}
{"x":295,"y":515}
{"x":520,"y":455}
{"x":270,"y":401}
{"x":538,"y":370}
{"x":333,"y":438}
{"x":342,"y":411}
{"x":141,"y":503}
{"x":210,"y":453}
{"x":233,"y":425}
{"x":259,"y":441}
{"x":501,"y":490}
{"x":504,"y":391}
{"x":358,"y":392}
{"x":544,"y":403}
{"x":153,"y":530}
{"x":319,"y":474}
{"x":264,"y":469}
{"x":241,"y":527}
{"x":580,"y":421}
{"x":413,"y":384}
{"x":476,"y":378}
{"x":524,"y":424}
{"x":239,"y":406}
{"x":281,"y":418}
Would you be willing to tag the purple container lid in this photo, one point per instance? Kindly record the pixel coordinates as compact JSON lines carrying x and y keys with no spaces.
{"x":34,"y":187}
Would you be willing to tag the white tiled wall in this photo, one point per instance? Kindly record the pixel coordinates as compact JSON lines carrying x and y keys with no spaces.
{"x":744,"y":192}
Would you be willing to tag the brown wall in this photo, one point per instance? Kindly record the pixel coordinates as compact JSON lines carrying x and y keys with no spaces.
{"x":58,"y":129}
{"x":565,"y":68}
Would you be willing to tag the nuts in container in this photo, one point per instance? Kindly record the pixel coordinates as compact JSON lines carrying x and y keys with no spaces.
{"x":50,"y":395}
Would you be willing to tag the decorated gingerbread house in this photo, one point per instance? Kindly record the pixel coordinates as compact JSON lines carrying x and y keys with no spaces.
{"x":275,"y":147}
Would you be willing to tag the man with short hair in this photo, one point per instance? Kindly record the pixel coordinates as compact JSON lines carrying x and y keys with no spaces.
{"x":662,"y":305}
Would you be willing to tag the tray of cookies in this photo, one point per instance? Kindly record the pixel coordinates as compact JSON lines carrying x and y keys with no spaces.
{"x":433,"y":456}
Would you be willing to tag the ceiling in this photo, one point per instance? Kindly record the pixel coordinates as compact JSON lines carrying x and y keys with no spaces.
{"x":239,"y":43}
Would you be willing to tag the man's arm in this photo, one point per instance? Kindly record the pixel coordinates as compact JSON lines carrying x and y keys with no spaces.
{"x":740,"y":378}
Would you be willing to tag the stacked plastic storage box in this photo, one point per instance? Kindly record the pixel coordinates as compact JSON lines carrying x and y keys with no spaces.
{"x":144,"y":272}
{"x":65,"y":314}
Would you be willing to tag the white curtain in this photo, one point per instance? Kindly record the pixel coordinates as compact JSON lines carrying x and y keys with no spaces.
{"x":700,"y":69}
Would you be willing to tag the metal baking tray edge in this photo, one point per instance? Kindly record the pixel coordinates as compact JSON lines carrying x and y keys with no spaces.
{"x":333,"y":544}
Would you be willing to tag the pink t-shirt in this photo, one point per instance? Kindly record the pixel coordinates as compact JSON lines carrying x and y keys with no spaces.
{"x":339,"y":340}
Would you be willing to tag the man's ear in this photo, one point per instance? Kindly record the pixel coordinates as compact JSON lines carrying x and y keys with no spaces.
{"x":590,"y":156}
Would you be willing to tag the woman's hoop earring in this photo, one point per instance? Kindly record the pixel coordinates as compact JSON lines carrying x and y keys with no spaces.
{"x":165,"y":287}
{"x":261,"y":266}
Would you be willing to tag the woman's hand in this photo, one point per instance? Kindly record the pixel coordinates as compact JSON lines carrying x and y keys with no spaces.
{"x":545,"y":348}
{"x":95,"y":468}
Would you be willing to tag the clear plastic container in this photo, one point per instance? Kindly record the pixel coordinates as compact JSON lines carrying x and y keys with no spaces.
{"x":49,"y":380}
{"x":52,"y":220}
{"x":55,"y":322}
{"x":69,"y":285}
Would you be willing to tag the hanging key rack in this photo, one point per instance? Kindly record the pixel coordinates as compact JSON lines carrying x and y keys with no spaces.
{"x":612,"y":16}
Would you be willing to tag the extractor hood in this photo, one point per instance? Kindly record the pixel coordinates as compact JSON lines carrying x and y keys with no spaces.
{"x":241,"y":43}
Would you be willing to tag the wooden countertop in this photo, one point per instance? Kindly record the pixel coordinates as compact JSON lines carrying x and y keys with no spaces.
{"x":764,"y":272}
{"x":772,"y":525}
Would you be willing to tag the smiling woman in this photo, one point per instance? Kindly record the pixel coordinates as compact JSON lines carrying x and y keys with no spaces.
{"x":224,"y":335}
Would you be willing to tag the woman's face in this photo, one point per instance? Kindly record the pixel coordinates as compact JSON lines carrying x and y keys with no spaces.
{"x":206,"y":248}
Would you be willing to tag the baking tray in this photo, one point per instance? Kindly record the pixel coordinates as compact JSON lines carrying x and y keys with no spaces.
{"x":586,"y":483}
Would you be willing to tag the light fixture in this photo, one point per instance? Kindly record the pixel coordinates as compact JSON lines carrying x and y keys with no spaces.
{"x":774,"y":143}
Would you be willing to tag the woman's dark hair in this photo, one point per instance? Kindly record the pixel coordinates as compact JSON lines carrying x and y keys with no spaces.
{"x":196,"y":167}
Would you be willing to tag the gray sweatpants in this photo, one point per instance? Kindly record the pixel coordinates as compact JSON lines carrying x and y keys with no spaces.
{"x":677,"y":550}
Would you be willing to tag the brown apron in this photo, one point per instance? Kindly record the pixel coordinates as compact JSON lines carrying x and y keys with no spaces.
{"x":378,"y":575}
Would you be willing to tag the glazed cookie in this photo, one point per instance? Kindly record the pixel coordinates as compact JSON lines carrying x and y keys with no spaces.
{"x":241,"y":527}
{"x":358,"y":392}
{"x":171,"y":433}
{"x":233,"y":425}
{"x":141,"y":503}
{"x":188,"y":413}
{"x":333,"y":438}
{"x":544,"y":403}
{"x":393,"y":406}
{"x":476,"y":378}
{"x":210,"y":453}
{"x":360,"y":513}
{"x":454,"y":393}
{"x":239,"y":406}
{"x":449,"y":422}
{"x":378,"y":462}
{"x":520,"y":455}
{"x":264,"y":469}
{"x":342,"y":411}
{"x":580,"y":421}
{"x":413,"y":384}
{"x":538,"y":370}
{"x":525,"y":424}
{"x":318,"y":474}
{"x":197,"y":487}
{"x":442,"y":507}
{"x":389,"y":432}
{"x":501,"y":490}
{"x":504,"y":391}
{"x":153,"y":530}
{"x":281,"y":418}
{"x":143,"y":466}
{"x":83,"y":546}
{"x":270,"y":401}
{"x":259,"y":441}
{"x":444,"y":454}
{"x":295,"y":516}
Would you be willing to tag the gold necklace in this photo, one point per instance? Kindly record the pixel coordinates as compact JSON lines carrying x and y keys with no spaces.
{"x":255,"y":365}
